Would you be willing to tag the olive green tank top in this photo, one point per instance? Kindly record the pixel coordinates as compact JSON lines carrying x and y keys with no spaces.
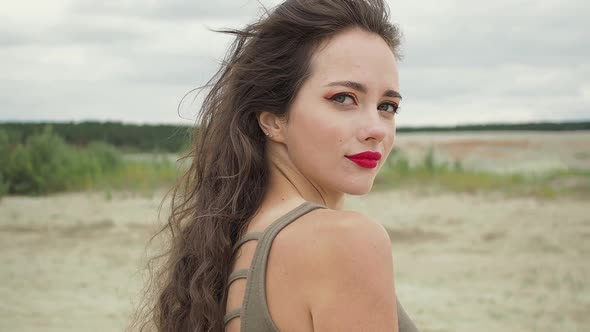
{"x":254,"y":312}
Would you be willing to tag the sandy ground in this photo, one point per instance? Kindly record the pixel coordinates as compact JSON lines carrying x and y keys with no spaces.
{"x":463,"y":262}
{"x":485,"y":263}
{"x":503,"y":152}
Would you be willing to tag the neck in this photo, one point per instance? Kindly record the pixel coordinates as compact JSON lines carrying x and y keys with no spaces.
{"x":287,"y":183}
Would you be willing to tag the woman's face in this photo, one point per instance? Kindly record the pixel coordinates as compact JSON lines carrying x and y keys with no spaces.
{"x":346,"y":107}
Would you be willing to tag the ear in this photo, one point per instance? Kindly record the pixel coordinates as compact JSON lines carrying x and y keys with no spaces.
{"x":273,"y":125}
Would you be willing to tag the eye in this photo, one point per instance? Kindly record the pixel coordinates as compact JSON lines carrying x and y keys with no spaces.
{"x":342,"y":98}
{"x":389,"y":107}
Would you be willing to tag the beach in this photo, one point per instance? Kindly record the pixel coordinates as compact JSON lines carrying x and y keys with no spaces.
{"x":481,"y":261}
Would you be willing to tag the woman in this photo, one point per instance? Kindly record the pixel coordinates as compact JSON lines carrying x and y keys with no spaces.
{"x":301,"y":113}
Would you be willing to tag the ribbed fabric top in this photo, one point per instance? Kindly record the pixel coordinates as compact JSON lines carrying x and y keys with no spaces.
{"x":254,"y":312}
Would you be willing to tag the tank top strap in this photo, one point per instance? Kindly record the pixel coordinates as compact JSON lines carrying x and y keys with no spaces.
{"x":255,"y":308}
{"x":245,"y":238}
{"x":231,"y":315}
{"x":241,"y":274}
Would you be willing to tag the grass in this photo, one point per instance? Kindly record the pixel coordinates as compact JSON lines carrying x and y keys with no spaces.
{"x":399,"y":172}
{"x":143,"y":175}
{"x":46,"y":164}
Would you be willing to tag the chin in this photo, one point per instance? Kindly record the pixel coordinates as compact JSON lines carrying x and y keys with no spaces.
{"x":358,"y":190}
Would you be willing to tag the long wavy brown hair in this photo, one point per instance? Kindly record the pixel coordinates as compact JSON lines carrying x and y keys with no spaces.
{"x":223,"y":188}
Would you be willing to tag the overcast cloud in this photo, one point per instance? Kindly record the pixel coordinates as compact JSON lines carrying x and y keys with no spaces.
{"x":464,"y":61}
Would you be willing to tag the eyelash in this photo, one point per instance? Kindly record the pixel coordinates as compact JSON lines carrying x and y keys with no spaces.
{"x":394,"y":105}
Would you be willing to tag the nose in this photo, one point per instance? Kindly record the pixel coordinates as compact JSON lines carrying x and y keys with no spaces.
{"x":375,"y":127}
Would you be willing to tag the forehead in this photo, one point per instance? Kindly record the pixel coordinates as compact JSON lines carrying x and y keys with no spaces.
{"x":355,"y":55}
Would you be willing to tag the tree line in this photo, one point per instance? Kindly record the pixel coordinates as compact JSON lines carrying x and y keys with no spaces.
{"x":175,"y":138}
{"x":532,"y":126}
{"x":127,"y":137}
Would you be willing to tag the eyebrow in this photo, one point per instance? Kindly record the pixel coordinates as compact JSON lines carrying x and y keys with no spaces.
{"x":362,"y":88}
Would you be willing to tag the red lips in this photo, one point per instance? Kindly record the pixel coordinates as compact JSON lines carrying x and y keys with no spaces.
{"x":367,"y":159}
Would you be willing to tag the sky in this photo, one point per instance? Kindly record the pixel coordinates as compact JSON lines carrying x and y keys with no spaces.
{"x":132,"y":61}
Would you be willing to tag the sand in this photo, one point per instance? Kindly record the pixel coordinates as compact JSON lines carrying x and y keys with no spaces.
{"x":482,"y":262}
{"x":463,"y":262}
{"x":503,"y":152}
{"x":485,"y":263}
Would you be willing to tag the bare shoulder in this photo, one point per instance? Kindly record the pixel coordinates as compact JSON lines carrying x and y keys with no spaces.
{"x":346,"y":272}
{"x":350,"y":228}
{"x":324,"y":235}
{"x":345,"y":235}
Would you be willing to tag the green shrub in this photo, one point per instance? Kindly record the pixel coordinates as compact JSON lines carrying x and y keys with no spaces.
{"x":4,"y":153}
{"x":45,"y":163}
{"x":429,"y":161}
{"x":3,"y":186}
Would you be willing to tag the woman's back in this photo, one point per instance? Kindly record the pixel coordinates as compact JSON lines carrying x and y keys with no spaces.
{"x":287,"y":295}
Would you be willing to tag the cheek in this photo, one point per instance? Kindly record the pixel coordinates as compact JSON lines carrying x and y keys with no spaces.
{"x":321,"y":127}
{"x":328,"y":133}
{"x":316,"y":140}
